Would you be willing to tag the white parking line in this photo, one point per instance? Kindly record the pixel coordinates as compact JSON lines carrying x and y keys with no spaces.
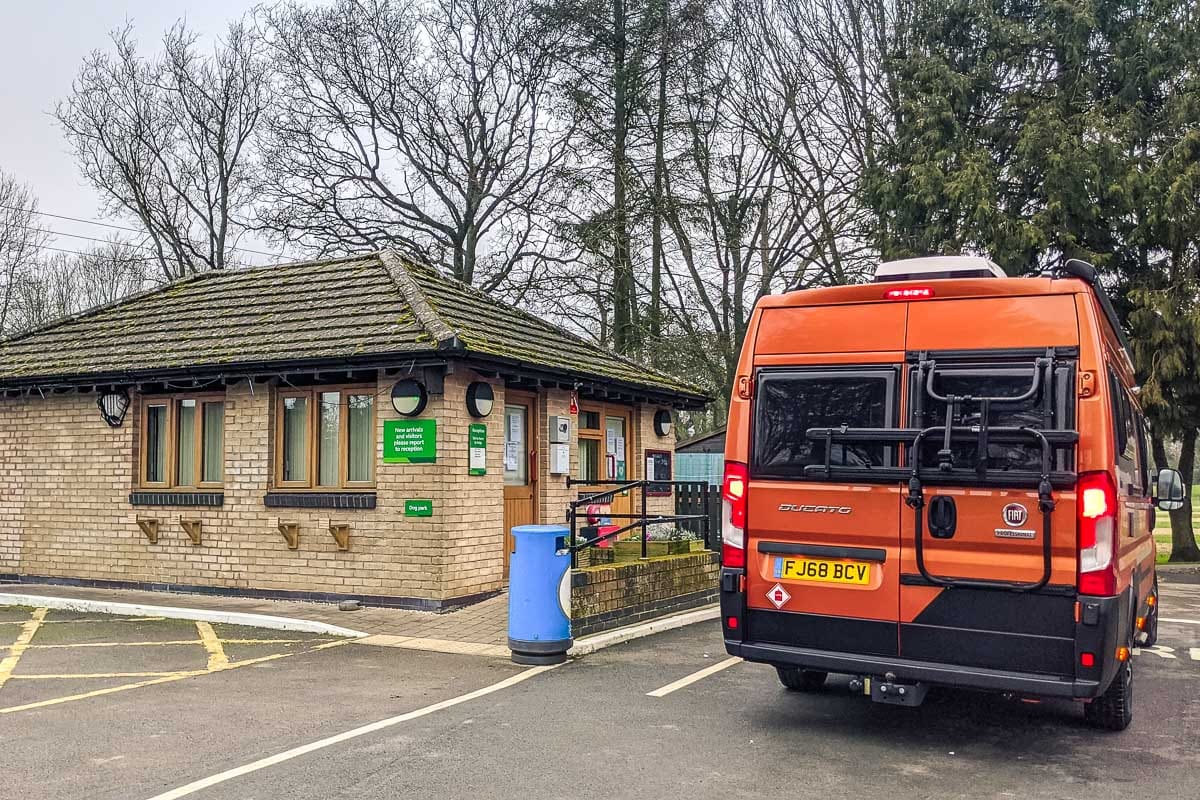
{"x":329,"y":741}
{"x":1180,"y":621}
{"x":695,"y":676}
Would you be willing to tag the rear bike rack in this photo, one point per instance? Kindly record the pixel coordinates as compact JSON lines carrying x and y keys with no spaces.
{"x":1046,"y":504}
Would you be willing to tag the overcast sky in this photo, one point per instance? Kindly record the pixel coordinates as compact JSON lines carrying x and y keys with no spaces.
{"x":41,"y":45}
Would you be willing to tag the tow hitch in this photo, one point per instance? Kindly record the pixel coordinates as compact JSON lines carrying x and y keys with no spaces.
{"x":888,"y":690}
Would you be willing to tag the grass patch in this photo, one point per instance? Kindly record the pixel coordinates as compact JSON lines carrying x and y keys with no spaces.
{"x":1162,"y":527}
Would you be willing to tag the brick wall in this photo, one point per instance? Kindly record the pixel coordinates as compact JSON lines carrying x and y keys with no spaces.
{"x":472,"y":505}
{"x":553,"y":495}
{"x":615,"y":595}
{"x":14,"y":444}
{"x":646,"y":439}
{"x":65,"y":479}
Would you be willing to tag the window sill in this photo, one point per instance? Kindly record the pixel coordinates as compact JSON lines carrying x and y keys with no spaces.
{"x":185,"y":498}
{"x":342,"y":500}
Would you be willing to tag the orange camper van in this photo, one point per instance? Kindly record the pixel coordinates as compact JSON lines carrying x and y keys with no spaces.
{"x":941,"y":478}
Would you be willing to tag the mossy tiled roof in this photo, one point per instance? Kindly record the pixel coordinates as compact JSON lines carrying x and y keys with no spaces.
{"x":346,"y":309}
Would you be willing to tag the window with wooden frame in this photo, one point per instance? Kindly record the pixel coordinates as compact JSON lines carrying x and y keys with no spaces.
{"x":601,"y":429}
{"x":591,"y":442}
{"x":325,"y":438}
{"x":182,"y":441}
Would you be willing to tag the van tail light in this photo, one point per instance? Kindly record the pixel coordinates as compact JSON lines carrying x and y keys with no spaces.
{"x":733,"y":515}
{"x":1097,"y":512}
{"x":910,"y":293}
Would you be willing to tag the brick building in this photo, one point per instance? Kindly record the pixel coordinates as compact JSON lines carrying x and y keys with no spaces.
{"x":307,"y":431}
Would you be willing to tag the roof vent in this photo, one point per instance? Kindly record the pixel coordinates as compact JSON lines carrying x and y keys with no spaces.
{"x":937,"y":268}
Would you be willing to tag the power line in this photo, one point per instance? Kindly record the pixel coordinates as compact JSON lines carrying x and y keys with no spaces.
{"x":138,"y":258}
{"x":116,"y":242}
{"x":72,"y":219}
{"x":115,"y":227}
{"x":88,"y":255}
{"x":102,"y":241}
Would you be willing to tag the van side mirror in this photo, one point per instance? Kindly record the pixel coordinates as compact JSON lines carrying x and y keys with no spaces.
{"x":1170,"y":494}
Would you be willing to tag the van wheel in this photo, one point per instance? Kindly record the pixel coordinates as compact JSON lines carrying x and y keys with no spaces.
{"x":1113,"y":710}
{"x":795,"y":679}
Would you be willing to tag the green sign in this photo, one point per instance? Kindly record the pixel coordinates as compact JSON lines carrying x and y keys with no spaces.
{"x":477,"y":449}
{"x":410,"y":441}
{"x":418,"y":508}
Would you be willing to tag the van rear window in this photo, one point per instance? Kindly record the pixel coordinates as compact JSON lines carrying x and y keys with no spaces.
{"x":787,"y":404}
{"x":996,"y":381}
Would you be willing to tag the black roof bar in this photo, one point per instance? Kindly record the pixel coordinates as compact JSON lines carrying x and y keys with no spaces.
{"x":1087,"y":273}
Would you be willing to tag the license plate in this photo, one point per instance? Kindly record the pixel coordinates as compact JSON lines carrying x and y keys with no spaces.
{"x":819,"y":570}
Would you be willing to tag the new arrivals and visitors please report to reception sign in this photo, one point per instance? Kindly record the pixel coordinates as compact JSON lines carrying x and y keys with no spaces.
{"x":410,"y":441}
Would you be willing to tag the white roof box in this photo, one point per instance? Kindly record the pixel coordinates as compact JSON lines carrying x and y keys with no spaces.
{"x":937,"y":268}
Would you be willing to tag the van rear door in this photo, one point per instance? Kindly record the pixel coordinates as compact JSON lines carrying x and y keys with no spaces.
{"x":822,"y":555}
{"x":977,"y":587}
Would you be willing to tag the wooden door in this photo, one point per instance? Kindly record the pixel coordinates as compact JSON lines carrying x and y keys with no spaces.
{"x":520,"y":466}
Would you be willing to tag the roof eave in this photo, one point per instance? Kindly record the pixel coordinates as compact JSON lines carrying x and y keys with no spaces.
{"x":665,"y":395}
{"x":443,"y":350}
{"x":238,"y":370}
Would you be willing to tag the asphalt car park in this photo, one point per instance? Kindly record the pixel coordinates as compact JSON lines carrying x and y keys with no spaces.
{"x":53,"y":657}
{"x":660,"y":716}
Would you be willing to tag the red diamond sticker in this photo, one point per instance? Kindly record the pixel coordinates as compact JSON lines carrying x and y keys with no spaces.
{"x":778,"y":596}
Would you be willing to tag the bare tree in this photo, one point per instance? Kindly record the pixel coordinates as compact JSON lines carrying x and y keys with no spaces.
{"x":21,"y":240}
{"x":46,"y":293}
{"x":418,"y":125}
{"x":760,"y":190}
{"x":165,"y":139}
{"x":66,"y":283}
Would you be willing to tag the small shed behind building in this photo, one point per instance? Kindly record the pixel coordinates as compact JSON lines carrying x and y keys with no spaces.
{"x":701,"y":458}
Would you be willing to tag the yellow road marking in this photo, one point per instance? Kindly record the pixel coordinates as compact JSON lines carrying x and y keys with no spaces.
{"x":216,"y":652}
{"x":97,"y":693}
{"x":190,"y":642}
{"x":108,"y":675}
{"x":28,"y":630}
{"x":87,"y":621}
{"x":156,"y":681}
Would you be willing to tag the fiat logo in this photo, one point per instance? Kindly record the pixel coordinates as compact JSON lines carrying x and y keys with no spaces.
{"x":1015,"y":514}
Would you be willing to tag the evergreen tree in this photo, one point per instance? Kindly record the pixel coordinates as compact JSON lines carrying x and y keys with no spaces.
{"x":1034,"y":131}
{"x":1166,"y":238}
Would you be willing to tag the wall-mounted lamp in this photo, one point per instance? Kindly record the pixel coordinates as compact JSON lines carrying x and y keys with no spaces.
{"x":409,"y":397}
{"x":662,"y":422}
{"x":480,"y":398}
{"x":113,"y":406}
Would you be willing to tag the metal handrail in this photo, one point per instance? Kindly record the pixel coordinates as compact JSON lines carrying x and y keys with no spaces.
{"x":642,"y":520}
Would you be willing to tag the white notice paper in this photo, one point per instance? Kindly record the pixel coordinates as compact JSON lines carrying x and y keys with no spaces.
{"x":620,"y":451}
{"x":611,"y":441}
{"x":478,"y":458}
{"x":512,"y":455}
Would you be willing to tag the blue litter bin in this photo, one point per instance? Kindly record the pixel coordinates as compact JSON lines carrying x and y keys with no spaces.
{"x":539,"y":594}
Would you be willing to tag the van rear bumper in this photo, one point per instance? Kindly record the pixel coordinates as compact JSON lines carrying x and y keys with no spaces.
{"x":907,"y":670}
{"x":1101,"y":624}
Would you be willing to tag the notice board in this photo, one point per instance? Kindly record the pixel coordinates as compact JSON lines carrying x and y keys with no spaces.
{"x":658,"y":468}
